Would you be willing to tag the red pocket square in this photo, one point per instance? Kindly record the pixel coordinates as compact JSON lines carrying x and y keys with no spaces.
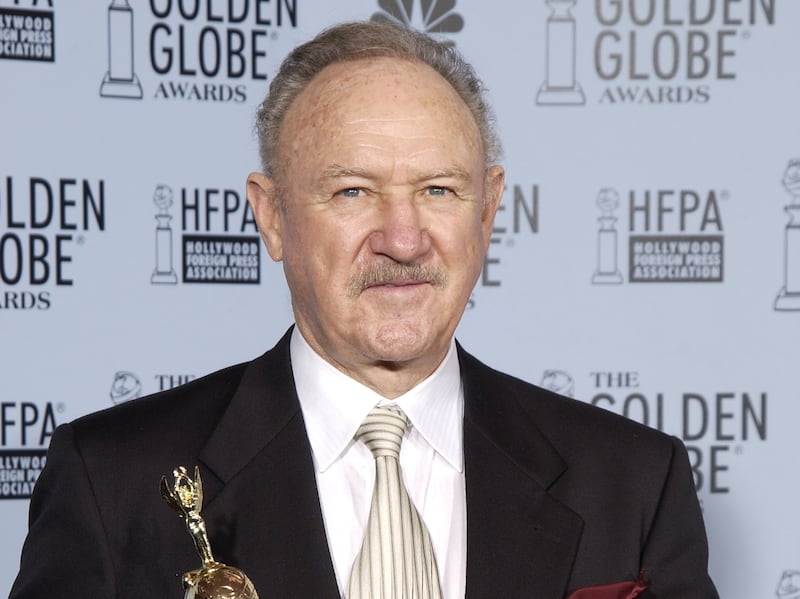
{"x":617,"y":590}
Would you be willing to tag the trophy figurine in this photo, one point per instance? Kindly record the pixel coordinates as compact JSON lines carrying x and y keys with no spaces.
{"x":214,"y":580}
{"x":789,"y":296}
{"x":120,"y":81}
{"x":164,"y":272}
{"x":607,"y":271}
{"x":560,"y":85}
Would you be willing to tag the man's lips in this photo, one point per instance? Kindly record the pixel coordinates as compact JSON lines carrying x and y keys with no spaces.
{"x":394,"y":283}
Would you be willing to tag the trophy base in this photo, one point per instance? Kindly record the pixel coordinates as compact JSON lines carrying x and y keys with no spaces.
{"x":121,"y":88}
{"x":164,"y":278}
{"x":554,"y":96}
{"x":218,"y":581}
{"x":606,"y":278}
{"x":787,"y":301}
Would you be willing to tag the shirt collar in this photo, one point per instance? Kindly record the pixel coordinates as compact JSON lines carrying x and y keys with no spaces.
{"x":334,"y":405}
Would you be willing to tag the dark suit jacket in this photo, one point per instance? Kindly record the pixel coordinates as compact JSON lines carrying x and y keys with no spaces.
{"x":560,"y":495}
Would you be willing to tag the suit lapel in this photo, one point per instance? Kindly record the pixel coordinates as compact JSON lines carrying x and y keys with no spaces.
{"x":520,"y":541}
{"x":262,"y":506}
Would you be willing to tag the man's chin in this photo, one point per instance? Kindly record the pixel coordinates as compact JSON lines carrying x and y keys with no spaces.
{"x":404,"y":345}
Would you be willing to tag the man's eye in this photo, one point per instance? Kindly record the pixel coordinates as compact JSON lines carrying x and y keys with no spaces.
{"x":435,"y":190}
{"x":350,"y":192}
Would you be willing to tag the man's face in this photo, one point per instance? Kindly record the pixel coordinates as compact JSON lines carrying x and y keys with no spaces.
{"x":385,"y":217}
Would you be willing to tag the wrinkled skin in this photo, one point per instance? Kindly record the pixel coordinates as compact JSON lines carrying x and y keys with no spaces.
{"x":382,"y":213}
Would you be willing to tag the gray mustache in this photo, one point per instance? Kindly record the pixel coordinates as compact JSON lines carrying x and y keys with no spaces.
{"x":386,"y":273}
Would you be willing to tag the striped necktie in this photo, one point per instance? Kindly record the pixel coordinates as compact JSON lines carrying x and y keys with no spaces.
{"x":396,"y":560}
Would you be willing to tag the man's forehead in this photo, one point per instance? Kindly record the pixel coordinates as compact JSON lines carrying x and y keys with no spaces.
{"x":340,"y":72}
{"x":357,"y":114}
{"x":377,"y":89}
{"x":390,"y":77}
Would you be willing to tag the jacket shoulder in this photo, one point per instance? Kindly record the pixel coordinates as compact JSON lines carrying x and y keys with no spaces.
{"x":195,"y":406}
{"x":572,"y":426}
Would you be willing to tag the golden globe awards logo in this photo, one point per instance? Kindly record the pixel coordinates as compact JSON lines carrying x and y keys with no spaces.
{"x":25,"y":431}
{"x":716,"y":426}
{"x":516,"y":221}
{"x":644,"y":52}
{"x":27,"y":34}
{"x":674,"y":236}
{"x":45,"y":224}
{"x":517,"y":217}
{"x":127,"y":386}
{"x":213,"y":245}
{"x":198,"y":50}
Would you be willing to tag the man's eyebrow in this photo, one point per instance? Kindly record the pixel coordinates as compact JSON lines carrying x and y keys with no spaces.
{"x":455,"y":172}
{"x":336,"y":171}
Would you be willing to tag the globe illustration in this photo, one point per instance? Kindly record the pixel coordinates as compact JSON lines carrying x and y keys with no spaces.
{"x":126,"y":386}
{"x":791,"y":178}
{"x":608,"y":200}
{"x":162,"y":197}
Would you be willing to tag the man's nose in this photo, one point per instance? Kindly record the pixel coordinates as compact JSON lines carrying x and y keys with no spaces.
{"x":400,"y":233}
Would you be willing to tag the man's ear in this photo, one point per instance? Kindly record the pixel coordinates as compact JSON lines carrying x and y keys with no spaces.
{"x":262,"y":193}
{"x":493,"y":186}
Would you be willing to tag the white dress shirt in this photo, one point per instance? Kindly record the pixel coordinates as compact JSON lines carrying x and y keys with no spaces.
{"x":431,"y":457}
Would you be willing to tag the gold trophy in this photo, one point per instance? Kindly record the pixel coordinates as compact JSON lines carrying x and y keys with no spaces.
{"x":214,"y":580}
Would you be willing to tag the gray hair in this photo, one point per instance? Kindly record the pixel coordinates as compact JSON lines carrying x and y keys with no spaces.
{"x":370,"y":39}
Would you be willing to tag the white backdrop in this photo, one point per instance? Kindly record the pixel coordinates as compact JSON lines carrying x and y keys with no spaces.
{"x":643,"y":261}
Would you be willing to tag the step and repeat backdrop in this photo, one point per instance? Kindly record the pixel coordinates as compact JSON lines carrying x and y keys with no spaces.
{"x":646,"y":258}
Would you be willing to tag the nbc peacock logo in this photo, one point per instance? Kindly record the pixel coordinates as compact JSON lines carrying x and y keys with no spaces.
{"x":430,"y":16}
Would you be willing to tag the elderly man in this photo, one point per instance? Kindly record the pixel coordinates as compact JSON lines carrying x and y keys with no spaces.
{"x":378,"y":193}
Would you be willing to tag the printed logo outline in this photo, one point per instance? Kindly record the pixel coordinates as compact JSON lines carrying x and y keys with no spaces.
{"x":560,"y":86}
{"x":120,"y":80}
{"x":788,"y":298}
{"x":125,"y":387}
{"x":607,"y":272}
{"x":429,"y":16}
{"x":789,"y":585}
{"x":164,"y":271}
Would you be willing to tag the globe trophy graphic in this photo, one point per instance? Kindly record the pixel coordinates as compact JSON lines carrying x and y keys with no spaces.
{"x":164,"y":273}
{"x":789,"y":585}
{"x":789,"y":296}
{"x":560,"y":85}
{"x":559,"y":382}
{"x":120,"y":81}
{"x":213,"y":580}
{"x":607,"y":271}
{"x":125,"y":387}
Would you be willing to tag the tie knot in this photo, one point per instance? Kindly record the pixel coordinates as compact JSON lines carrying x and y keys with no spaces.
{"x":382,"y":431}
